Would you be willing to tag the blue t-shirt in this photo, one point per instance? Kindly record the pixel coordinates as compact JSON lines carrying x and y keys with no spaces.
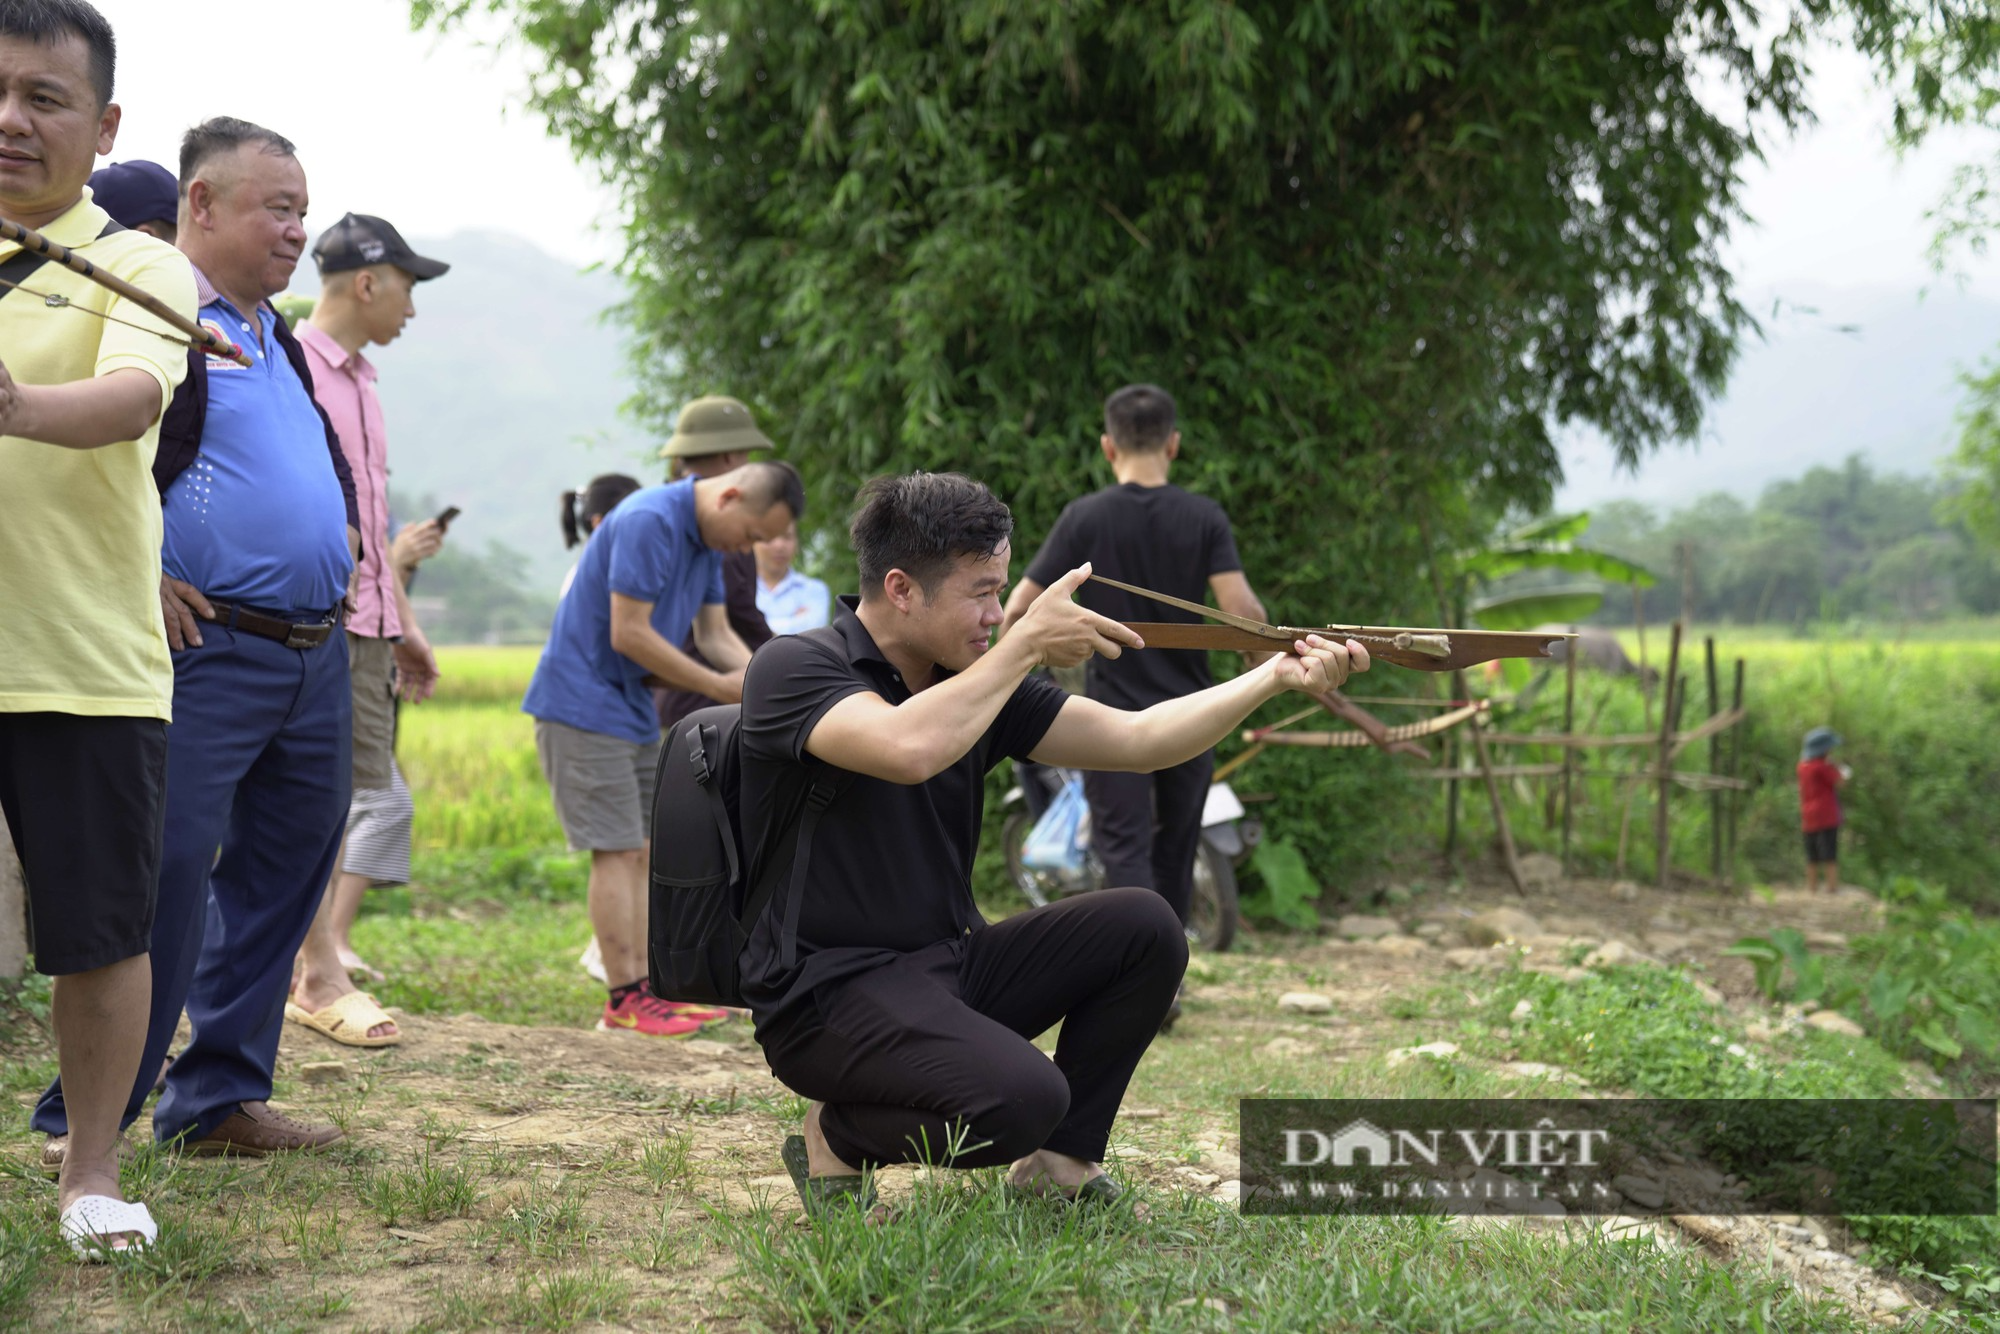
{"x":649,"y":549}
{"x":258,"y":518}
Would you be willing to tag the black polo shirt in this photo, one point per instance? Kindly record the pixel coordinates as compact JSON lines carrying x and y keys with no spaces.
{"x":1158,"y":537}
{"x":890,"y":870}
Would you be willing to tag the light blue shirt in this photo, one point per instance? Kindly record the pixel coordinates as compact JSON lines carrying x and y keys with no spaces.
{"x":799,"y":602}
{"x":258,"y":518}
{"x":649,"y":549}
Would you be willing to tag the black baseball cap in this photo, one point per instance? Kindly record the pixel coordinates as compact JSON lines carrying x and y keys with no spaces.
{"x":358,"y":240}
{"x":136,"y":192}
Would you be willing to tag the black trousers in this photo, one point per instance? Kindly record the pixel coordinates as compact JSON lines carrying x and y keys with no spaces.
{"x":932,"y":1052}
{"x":1145,"y":828}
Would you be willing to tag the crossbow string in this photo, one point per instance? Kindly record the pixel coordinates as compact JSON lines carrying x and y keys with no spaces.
{"x":197,"y":337}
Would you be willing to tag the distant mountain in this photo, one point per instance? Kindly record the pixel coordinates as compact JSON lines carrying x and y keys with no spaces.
{"x":504,"y":391}
{"x":1868,"y":371}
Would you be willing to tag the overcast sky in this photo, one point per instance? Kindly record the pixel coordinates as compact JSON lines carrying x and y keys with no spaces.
{"x":431,"y":133}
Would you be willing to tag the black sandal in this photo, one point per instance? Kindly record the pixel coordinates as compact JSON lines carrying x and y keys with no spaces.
{"x":1098,"y":1192}
{"x":823,"y":1195}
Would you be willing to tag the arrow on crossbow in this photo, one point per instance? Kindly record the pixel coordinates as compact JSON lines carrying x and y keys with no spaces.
{"x":30,"y":239}
{"x":1425,"y":650}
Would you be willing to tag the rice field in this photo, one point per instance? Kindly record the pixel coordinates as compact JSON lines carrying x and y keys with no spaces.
{"x":1917,"y":716}
{"x":469,"y":756}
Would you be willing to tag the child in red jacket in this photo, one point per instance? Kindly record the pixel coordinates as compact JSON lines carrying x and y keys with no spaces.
{"x":1819,"y":806}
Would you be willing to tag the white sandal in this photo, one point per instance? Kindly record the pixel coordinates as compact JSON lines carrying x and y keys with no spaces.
{"x":90,"y":1221}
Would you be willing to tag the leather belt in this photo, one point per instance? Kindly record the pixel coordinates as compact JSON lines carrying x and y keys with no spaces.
{"x":292,"y":634}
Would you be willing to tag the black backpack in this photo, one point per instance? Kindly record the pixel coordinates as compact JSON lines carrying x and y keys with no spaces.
{"x":701,"y":910}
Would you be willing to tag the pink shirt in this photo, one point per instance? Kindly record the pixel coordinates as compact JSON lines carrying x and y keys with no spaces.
{"x":345,"y":388}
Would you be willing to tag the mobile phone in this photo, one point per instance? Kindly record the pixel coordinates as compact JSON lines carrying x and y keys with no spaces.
{"x":446,"y":515}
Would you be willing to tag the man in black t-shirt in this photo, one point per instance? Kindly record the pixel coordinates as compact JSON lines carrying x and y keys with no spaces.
{"x":879,"y":993}
{"x":1145,"y":828}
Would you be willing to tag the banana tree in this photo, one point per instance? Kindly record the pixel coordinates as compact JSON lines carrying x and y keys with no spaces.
{"x":1547,"y":544}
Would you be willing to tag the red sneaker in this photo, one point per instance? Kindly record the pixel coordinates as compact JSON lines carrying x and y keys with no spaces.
{"x":701,"y":1014}
{"x":642,"y":1013}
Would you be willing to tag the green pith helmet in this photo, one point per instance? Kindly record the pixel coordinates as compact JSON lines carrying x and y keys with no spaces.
{"x":713,"y":425}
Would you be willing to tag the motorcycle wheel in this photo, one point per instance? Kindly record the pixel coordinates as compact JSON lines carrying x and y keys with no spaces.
{"x":1038,"y":887}
{"x":1212,"y":916}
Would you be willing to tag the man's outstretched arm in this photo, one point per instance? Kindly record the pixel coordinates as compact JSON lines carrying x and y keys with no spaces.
{"x":1090,"y":735}
{"x":926,"y":734}
{"x":108,"y":409}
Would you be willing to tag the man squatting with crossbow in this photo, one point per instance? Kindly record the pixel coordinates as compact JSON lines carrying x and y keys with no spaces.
{"x":887,"y":1000}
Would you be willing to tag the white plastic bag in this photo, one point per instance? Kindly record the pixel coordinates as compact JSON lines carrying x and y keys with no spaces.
{"x":1056,"y":841}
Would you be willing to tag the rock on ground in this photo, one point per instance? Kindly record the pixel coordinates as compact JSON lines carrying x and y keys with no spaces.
{"x":1437,"y":1049}
{"x":1642,"y":1191}
{"x":1305,"y":1002}
{"x":1614,"y":954}
{"x":1833,"y":1021}
{"x":1497,"y":925}
{"x":1540,"y":869}
{"x":1467,"y":959}
{"x":1354,"y":926}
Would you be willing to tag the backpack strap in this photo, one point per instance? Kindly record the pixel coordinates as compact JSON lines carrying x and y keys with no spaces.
{"x":706,"y":742}
{"x":19,"y":268}
{"x":826,"y":786}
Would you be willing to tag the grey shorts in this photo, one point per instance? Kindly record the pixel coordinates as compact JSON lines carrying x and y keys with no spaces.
{"x":372,"y":664}
{"x":603,"y":786}
{"x":378,"y":832}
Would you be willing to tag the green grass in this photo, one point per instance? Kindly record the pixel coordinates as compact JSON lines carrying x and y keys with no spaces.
{"x":988,"y":1262}
{"x":424,"y":1192}
{"x":495,"y":935}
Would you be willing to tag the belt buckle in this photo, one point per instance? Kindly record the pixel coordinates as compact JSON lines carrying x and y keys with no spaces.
{"x":301,"y":637}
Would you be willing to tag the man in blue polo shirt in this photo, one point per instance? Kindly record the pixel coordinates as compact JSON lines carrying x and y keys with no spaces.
{"x":261,"y":537}
{"x":651,"y":572}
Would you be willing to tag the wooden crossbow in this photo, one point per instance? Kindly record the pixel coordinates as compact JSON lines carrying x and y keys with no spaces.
{"x":31,"y":240}
{"x":1425,"y":650}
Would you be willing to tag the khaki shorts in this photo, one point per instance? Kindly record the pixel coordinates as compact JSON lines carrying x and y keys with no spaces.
{"x":372,"y":663}
{"x":603,"y":786}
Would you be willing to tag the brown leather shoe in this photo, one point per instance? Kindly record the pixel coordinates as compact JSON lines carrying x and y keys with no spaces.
{"x":255,"y":1131}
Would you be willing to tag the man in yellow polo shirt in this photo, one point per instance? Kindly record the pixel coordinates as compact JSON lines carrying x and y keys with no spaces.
{"x":85,"y":679}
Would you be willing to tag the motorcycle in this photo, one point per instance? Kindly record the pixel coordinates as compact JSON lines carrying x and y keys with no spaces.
{"x":1227,"y":838}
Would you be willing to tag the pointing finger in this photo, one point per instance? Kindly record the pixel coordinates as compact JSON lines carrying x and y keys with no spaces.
{"x":1072,"y":581}
{"x":1115,"y":630}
